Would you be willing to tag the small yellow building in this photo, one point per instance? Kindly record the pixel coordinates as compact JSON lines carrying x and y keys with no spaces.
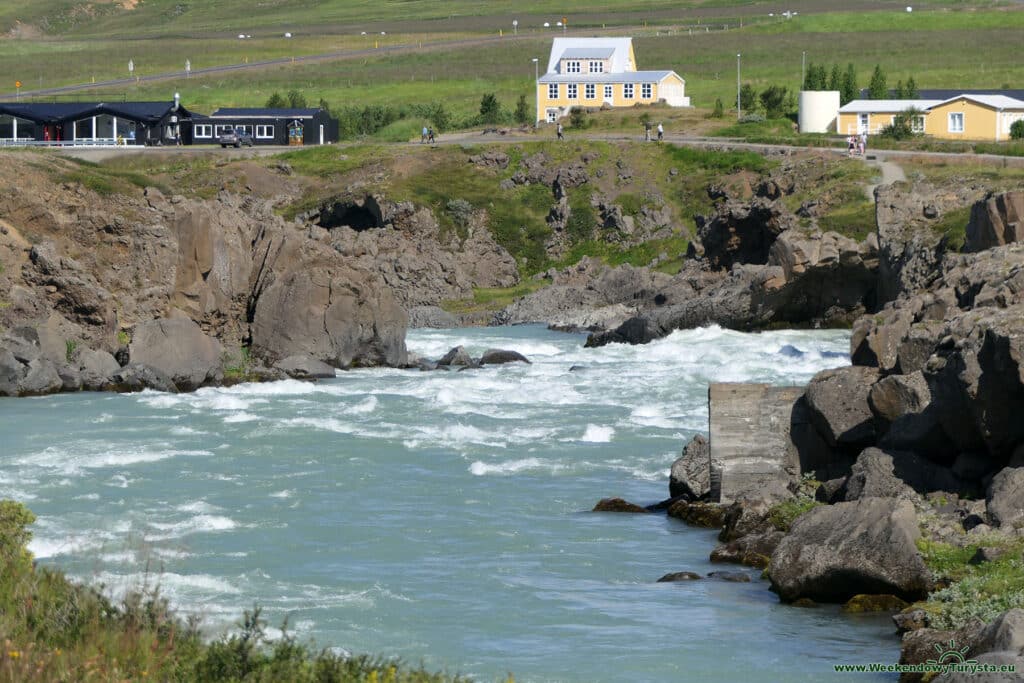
{"x":962,"y":117}
{"x":593,"y":72}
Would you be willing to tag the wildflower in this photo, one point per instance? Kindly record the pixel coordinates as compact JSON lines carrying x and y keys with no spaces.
{"x":13,"y":654}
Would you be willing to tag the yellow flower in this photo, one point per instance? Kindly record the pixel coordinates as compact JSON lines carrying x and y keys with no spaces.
{"x":13,"y":654}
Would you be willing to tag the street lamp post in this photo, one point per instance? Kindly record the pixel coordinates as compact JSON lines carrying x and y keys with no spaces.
{"x":803,"y":69}
{"x":188,"y":68}
{"x":739,"y":105}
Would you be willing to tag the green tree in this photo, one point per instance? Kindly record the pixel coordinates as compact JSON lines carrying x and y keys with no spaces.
{"x":912,"y":92}
{"x":325,"y":105}
{"x":440,"y":117}
{"x":490,"y":108}
{"x":578,"y":118}
{"x":1017,"y":130}
{"x":275,"y":101}
{"x":296,"y":100}
{"x":902,"y":126}
{"x":816,"y":77}
{"x":900,"y":91}
{"x":748,"y":98}
{"x":877,"y":88}
{"x":835,"y":79}
{"x":719,"y":110}
{"x":848,"y":91}
{"x":522,"y":113}
{"x":773,"y":99}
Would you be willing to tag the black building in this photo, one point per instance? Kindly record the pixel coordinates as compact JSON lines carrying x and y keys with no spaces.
{"x":129,"y":123}
{"x":270,"y":126}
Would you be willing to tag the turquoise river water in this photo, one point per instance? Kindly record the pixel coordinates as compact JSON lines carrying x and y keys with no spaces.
{"x":440,"y":517}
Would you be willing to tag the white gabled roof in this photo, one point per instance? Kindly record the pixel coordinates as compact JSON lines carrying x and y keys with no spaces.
{"x":994,"y":101}
{"x":885,"y":106}
{"x":620,"y":48}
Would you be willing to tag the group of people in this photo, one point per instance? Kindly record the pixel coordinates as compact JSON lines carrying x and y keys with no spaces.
{"x":427,"y":135}
{"x":857,"y":144}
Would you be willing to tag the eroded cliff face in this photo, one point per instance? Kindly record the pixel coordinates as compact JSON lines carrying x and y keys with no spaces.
{"x":82,"y":271}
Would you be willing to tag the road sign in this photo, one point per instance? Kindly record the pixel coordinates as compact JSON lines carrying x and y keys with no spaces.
{"x":17,"y":84}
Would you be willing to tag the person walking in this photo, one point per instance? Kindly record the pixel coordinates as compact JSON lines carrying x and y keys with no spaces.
{"x":430,"y":136}
{"x":647,"y":131}
{"x":560,"y":131}
{"x":423,"y":135}
{"x":661,"y":132}
{"x":863,"y":142}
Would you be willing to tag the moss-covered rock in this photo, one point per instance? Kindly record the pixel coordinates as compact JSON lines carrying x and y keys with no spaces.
{"x":707,"y":515}
{"x":618,"y":505}
{"x":874,"y":603}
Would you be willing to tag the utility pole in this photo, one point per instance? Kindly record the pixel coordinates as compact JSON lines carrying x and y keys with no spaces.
{"x":803,"y":69}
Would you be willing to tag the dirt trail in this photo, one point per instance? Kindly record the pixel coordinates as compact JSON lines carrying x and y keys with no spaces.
{"x":891,"y":173}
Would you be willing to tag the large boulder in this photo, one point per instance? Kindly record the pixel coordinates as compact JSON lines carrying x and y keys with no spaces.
{"x":136,"y":377}
{"x":872,"y":476}
{"x":691,"y":473}
{"x":321,"y":308}
{"x":835,"y":552}
{"x":1005,"y":499}
{"x":456,"y":356}
{"x":839,"y":408}
{"x":179,"y":349}
{"x":12,"y":371}
{"x":42,"y":378}
{"x":96,"y":368}
{"x":995,"y":221}
{"x":502,"y":356}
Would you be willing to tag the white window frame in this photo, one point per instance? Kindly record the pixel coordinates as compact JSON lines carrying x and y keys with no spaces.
{"x":265,"y":132}
{"x":917,"y":124}
{"x":572,"y":91}
{"x":552,"y":91}
{"x":224,"y":128}
{"x":572,"y":66}
{"x":552,"y":115}
{"x":951,"y":120}
{"x":245,"y":127}
{"x":202,"y":130}
{"x":627,"y":91}
{"x":609,"y":92}
{"x":590,"y":91}
{"x":596,"y":67}
{"x":646,"y":91}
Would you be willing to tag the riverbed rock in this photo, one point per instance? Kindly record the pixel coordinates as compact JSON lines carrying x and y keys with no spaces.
{"x":457,"y":356}
{"x":873,"y":476}
{"x":859,"y":604}
{"x":753,"y":550}
{"x":502,"y":356}
{"x":618,"y":505}
{"x":732,"y":577}
{"x":835,"y":552}
{"x":691,"y":474}
{"x":680,"y":576}
{"x":305,"y":367}
{"x":178,"y":348}
{"x":706,"y":515}
{"x":12,"y":371}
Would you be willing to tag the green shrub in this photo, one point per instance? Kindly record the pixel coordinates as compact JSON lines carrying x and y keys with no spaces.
{"x":1017,"y":130}
{"x":719,"y":110}
{"x":579,"y":118}
{"x":522,"y":113}
{"x":490,"y":108}
{"x":782,"y":515}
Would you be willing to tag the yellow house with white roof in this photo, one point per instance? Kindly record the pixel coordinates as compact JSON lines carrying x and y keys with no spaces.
{"x":963,"y":117}
{"x":593,"y":72}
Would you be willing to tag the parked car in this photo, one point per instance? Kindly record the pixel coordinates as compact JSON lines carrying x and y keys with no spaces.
{"x":235,"y":138}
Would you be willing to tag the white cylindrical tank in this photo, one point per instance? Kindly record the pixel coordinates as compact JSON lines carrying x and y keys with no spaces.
{"x":819,"y":110}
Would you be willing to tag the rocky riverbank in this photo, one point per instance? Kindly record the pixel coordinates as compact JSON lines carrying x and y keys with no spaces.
{"x":898,"y":485}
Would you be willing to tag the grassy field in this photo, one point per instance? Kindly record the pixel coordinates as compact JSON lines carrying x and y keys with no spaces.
{"x":917,"y":44}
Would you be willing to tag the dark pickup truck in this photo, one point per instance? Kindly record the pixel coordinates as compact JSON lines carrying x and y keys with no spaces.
{"x":235,"y":138}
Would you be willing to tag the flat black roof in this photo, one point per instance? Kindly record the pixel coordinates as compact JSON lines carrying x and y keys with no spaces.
{"x":60,"y":112}
{"x":265,"y":113}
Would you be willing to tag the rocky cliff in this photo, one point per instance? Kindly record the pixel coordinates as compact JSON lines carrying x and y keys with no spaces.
{"x":172,"y":288}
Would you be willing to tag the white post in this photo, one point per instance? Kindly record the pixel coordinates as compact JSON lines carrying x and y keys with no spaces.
{"x":739,"y":114}
{"x":14,"y":123}
{"x":803,"y":69}
{"x":94,"y":129}
{"x":74,"y":130}
{"x":536,"y":88}
{"x":115,"y":130}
